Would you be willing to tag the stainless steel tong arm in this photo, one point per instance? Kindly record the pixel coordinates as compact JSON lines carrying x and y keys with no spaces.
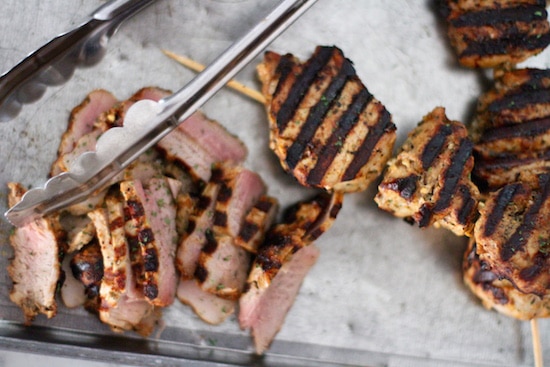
{"x":55,"y":62}
{"x":147,"y":122}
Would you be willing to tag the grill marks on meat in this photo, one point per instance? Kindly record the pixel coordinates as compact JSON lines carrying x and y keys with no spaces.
{"x":498,"y":292}
{"x":222,"y":265}
{"x":493,"y":33}
{"x":37,"y":246}
{"x":150,"y":229}
{"x":210,"y":249}
{"x":281,"y":263}
{"x":327,"y":130}
{"x":122,"y":304}
{"x":200,"y":222}
{"x":512,"y":235}
{"x":428,"y":181}
{"x":256,"y":223}
{"x":512,"y":129}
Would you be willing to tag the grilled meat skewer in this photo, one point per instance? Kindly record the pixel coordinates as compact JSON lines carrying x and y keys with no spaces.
{"x":326,"y":128}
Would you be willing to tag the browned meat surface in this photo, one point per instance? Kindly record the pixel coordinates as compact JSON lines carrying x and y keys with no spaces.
{"x":81,"y":123}
{"x":122,"y":304}
{"x":490,"y":33}
{"x":497,"y":292}
{"x":208,"y":306}
{"x":513,"y":235}
{"x":256,"y":223}
{"x":37,"y":246}
{"x":511,"y":130}
{"x":160,"y":206}
{"x":240,"y":189}
{"x":429,"y":180}
{"x":220,"y":265}
{"x":327,"y":130}
{"x":274,"y":302}
{"x":199,"y":143}
{"x":281,"y":263}
{"x":153,"y":261}
{"x":200,"y":222}
{"x":87,"y":266}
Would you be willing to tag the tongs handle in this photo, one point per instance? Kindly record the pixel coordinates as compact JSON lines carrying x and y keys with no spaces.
{"x":54,"y":63}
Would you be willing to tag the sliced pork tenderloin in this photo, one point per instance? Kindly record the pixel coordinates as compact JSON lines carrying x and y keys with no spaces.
{"x":154,"y":263}
{"x":281,"y":263}
{"x":122,"y":305}
{"x":207,"y":306}
{"x":256,"y":223}
{"x":81,"y":123}
{"x":87,"y":267}
{"x":35,"y":268}
{"x":240,"y":189}
{"x":222,"y":265}
{"x":160,"y":205}
{"x":73,"y":292}
{"x":199,"y":143}
{"x":80,"y":231}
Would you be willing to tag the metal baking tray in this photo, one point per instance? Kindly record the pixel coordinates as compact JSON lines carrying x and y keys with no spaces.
{"x":383,"y":293}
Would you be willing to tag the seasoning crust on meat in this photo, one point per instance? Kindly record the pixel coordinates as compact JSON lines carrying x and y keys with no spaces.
{"x":428,"y":181}
{"x":513,"y":235}
{"x":326,"y":128}
{"x":491,"y":33}
{"x":511,"y":129}
{"x":499,"y":293}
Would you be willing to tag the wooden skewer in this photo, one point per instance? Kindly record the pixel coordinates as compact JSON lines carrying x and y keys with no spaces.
{"x":537,"y":348}
{"x":195,"y":66}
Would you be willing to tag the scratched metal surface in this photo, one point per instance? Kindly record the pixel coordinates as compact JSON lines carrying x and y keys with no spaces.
{"x":383,"y":293}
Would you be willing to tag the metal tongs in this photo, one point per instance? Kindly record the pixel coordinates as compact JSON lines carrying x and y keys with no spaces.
{"x":54,"y":63}
{"x":146,"y":122}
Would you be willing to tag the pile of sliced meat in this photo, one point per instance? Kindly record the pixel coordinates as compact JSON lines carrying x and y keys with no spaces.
{"x":186,"y":221}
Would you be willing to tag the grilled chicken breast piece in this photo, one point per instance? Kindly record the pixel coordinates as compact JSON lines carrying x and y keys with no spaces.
{"x":35,"y":268}
{"x":497,"y":292}
{"x":326,"y":128}
{"x":511,"y":129}
{"x":490,"y":33}
{"x":513,"y":235}
{"x":428,"y":181}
